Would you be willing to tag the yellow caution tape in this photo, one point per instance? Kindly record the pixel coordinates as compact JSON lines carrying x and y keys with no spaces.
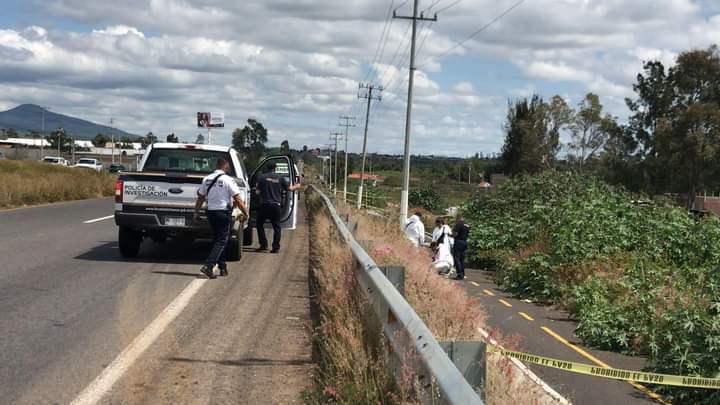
{"x":614,"y":373}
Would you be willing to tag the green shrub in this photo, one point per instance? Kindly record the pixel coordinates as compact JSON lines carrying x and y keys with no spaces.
{"x":639,"y":277}
{"x":425,"y":198}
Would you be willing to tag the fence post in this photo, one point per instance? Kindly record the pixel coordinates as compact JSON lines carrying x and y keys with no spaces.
{"x":469,"y":357}
{"x":396,"y":276}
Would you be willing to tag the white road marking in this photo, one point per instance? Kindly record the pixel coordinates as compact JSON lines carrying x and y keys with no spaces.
{"x":91,"y":221}
{"x":94,"y":392}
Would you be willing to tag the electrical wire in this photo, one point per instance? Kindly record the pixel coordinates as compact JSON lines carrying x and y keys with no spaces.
{"x":383,"y":39}
{"x":455,"y":3}
{"x":481,"y":29}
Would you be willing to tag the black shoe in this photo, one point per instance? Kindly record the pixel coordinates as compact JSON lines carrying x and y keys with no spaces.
{"x":274,"y":250}
{"x":459,"y":277}
{"x":261,"y":249}
{"x":223,"y":271}
{"x":208,"y":271}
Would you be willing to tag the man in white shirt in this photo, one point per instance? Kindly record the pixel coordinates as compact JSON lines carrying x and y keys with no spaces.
{"x":415,"y":229}
{"x":221,"y":193}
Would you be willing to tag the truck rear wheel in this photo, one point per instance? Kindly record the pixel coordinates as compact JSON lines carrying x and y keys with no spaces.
{"x":129,"y":241}
{"x":234,"y":247}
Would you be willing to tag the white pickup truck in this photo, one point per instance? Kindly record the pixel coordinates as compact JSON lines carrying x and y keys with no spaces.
{"x":157,"y":202}
{"x":87,"y":163}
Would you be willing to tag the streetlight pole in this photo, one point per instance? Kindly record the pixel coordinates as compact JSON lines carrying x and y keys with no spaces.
{"x":112,"y":140}
{"x":42,"y":134}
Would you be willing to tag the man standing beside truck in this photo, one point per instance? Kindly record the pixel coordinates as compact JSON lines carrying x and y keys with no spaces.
{"x":269,"y":187}
{"x":221,"y":193}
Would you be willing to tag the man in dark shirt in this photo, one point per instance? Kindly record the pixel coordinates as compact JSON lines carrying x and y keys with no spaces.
{"x":460,"y":235}
{"x":269,"y":187}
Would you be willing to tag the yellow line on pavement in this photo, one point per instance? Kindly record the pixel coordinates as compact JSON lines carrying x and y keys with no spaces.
{"x":507,"y":304}
{"x":601,"y":364}
{"x":526,"y":316}
{"x":475,"y":284}
{"x":490,"y":293}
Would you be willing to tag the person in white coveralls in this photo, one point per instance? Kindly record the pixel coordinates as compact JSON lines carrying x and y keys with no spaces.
{"x":415,"y":229}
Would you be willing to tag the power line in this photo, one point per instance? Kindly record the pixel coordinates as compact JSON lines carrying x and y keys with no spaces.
{"x":455,"y":3}
{"x":397,"y":51}
{"x":481,"y":29}
{"x":383,"y":39}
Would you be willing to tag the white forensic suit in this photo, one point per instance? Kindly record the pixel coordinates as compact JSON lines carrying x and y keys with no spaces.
{"x":414,"y":230}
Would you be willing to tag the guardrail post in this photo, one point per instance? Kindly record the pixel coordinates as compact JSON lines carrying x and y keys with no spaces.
{"x":469,"y":358}
{"x":396,"y":276}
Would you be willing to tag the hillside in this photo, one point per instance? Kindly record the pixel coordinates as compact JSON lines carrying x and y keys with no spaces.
{"x":28,"y":117}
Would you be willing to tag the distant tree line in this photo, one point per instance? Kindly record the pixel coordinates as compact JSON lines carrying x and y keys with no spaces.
{"x":670,"y":143}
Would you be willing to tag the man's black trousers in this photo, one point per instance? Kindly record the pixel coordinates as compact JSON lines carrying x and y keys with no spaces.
{"x":459,"y":248}
{"x":269,"y":212}
{"x":221,"y":224}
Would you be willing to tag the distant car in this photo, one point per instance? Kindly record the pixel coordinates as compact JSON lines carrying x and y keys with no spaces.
{"x":116,"y":168}
{"x":55,"y":160}
{"x":87,"y":163}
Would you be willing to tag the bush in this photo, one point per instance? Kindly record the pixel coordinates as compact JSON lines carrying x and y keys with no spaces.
{"x":640,"y":278}
{"x":426,"y":198}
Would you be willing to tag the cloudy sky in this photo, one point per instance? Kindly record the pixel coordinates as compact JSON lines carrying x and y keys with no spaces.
{"x":295,"y":64}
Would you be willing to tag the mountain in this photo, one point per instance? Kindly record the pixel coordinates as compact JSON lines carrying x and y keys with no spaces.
{"x":28,"y":117}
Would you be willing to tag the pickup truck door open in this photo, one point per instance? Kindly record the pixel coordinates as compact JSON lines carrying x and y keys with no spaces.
{"x":285,"y":167}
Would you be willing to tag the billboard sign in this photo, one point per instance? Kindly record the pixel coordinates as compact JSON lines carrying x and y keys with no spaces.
{"x":210,"y":120}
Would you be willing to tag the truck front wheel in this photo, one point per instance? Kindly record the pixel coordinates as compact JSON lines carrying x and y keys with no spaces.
{"x":129,"y":241}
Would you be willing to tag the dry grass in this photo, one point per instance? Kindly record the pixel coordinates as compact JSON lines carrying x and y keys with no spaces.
{"x":30,"y":183}
{"x":350,"y":370}
{"x":444,"y":305}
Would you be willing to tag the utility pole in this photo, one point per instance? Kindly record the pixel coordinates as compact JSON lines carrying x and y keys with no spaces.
{"x":347,"y":126}
{"x":330,"y":165}
{"x":369,"y":96}
{"x":335,"y":136}
{"x":408,"y":117}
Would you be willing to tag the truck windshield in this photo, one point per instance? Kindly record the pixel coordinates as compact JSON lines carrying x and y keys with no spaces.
{"x":184,"y":160}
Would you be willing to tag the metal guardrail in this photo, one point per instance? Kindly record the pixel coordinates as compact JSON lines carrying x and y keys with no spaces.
{"x":406,"y":333}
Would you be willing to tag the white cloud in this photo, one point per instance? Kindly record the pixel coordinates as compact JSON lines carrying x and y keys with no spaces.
{"x":296,"y":63}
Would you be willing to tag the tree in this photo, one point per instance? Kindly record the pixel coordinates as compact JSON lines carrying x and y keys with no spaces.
{"x":3,"y":133}
{"x":200,"y":139}
{"x":526,"y":141}
{"x":285,"y":147}
{"x":250,"y":141}
{"x":172,"y":138}
{"x":11,"y":133}
{"x":305,"y":148}
{"x":149,"y":139}
{"x":559,"y":117}
{"x":675,"y":122}
{"x":59,"y":136}
{"x":589,"y":129}
{"x":126,"y":143}
{"x":100,"y":140}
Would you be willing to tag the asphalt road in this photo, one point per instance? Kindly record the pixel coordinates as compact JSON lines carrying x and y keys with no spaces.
{"x":541,"y":330}
{"x":71,"y":305}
